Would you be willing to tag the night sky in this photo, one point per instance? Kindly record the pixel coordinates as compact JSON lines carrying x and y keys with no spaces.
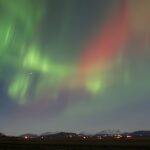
{"x":74,"y":65}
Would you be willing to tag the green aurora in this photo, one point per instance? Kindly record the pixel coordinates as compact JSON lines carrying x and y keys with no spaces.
{"x":23,"y":53}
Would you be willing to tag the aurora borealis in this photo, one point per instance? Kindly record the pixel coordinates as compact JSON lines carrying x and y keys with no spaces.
{"x":74,"y":65}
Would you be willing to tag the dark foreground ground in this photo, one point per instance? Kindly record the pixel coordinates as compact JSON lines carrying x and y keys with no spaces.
{"x":109,"y":144}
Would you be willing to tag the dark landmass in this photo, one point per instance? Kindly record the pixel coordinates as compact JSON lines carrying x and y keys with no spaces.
{"x":72,"y":144}
{"x":139,"y":140}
